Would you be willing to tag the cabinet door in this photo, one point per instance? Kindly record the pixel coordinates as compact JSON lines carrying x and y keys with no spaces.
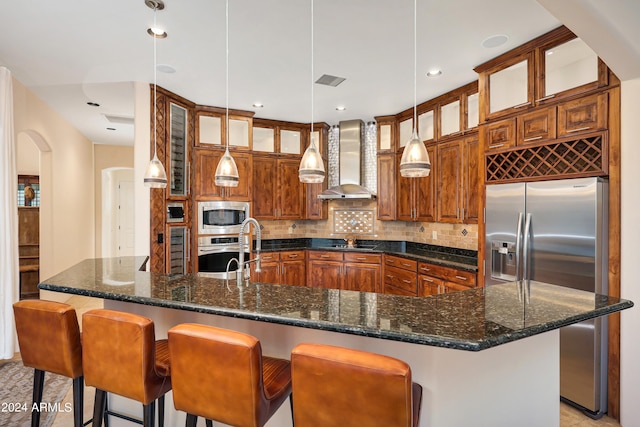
{"x":179,"y":250}
{"x":293,"y":268}
{"x":536,"y":126}
{"x":270,"y":272}
{"x":178,"y":151}
{"x":206,"y":164}
{"x":472,"y":180}
{"x":510,"y":85}
{"x":425,"y":191}
{"x":449,"y":181}
{"x":290,"y":189}
{"x":361,"y":277}
{"x":428,"y":285}
{"x":583,"y":115}
{"x":324,"y":274}
{"x":242,"y":192}
{"x":265,"y":174}
{"x":386,"y":187}
{"x":404,"y":194}
{"x":500,"y":135}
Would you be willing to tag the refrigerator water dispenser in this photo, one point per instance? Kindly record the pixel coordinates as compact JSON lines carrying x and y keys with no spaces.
{"x":503,"y":260}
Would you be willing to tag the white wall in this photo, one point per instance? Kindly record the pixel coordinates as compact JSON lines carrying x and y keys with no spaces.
{"x":27,"y":156}
{"x":630,"y":251}
{"x":141,"y":158}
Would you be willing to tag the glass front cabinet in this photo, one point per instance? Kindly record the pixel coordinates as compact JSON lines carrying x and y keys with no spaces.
{"x":178,"y":156}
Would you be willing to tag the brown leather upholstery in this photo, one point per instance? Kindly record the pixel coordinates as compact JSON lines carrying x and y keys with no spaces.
{"x":120,"y":355}
{"x":49,"y":337}
{"x":221,"y":375}
{"x":336,"y":386}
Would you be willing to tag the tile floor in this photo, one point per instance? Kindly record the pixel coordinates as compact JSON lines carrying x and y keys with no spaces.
{"x":569,"y":416}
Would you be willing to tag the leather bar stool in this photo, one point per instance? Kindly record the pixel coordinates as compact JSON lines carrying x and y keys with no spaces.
{"x":221,"y":375}
{"x":336,"y":386}
{"x":49,"y":339}
{"x":121,"y":356}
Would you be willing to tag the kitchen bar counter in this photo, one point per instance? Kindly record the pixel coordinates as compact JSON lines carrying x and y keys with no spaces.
{"x":484,"y":357}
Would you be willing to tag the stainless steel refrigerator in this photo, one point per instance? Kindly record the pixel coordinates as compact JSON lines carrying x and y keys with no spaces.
{"x":556,"y":232}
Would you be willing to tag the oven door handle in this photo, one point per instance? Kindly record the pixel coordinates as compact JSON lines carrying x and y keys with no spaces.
{"x":220,"y":250}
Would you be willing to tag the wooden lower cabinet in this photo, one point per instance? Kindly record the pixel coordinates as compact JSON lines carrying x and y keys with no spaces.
{"x":438,"y":279}
{"x":400,"y":276}
{"x":353,"y":271}
{"x":286,"y":268}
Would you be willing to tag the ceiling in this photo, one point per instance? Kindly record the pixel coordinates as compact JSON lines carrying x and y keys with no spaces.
{"x":71,"y":52}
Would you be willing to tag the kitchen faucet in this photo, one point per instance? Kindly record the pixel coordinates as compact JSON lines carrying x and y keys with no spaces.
{"x":240,"y":272}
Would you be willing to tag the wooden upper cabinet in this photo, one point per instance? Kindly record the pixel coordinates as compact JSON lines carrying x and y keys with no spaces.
{"x":290,"y":189}
{"x":404,"y":132}
{"x":386,"y":133}
{"x":211,"y":128}
{"x":472,"y":166}
{"x":265,"y":172}
{"x":179,"y":150}
{"x":206,"y":162}
{"x":317,"y":209}
{"x":280,"y":193}
{"x":554,"y":66}
{"x":450,"y":118}
{"x":386,"y":187}
{"x":583,"y":115}
{"x":500,"y":135}
{"x":277,"y":137}
{"x":450,"y":175}
{"x":416,"y":197}
{"x":427,"y":121}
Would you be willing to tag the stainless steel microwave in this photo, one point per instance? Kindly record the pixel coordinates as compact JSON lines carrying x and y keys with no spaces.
{"x":221,"y":217}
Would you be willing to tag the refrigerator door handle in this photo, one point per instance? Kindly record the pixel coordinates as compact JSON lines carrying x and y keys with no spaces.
{"x":519,"y":245}
{"x":526,"y":248}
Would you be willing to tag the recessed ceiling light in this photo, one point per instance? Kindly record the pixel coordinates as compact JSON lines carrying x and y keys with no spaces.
{"x":341,"y":108}
{"x":165,"y":68}
{"x":258,"y":104}
{"x":494,"y":41}
{"x":157,"y":33}
{"x":434,"y":73}
{"x":93,"y":104}
{"x":111,"y":128}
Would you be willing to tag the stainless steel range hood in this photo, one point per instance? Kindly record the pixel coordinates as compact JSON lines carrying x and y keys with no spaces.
{"x":350,"y":144}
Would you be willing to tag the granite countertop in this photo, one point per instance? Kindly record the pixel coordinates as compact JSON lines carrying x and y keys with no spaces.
{"x":462,"y":259}
{"x":471,"y":320}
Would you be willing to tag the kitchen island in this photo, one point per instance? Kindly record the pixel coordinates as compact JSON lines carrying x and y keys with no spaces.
{"x":485,"y":357}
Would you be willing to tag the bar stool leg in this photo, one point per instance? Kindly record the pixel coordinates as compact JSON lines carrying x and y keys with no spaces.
{"x":98,"y":408}
{"x":209,"y":423}
{"x":149,"y":412}
{"x":78,"y":401}
{"x":161,"y":411}
{"x":191,"y":420}
{"x":38,"y":386}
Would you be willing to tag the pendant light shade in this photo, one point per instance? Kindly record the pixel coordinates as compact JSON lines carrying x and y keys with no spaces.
{"x":227,"y":171}
{"x":415,"y":158}
{"x":311,"y":166}
{"x":155,"y":176}
{"x":311,"y":170}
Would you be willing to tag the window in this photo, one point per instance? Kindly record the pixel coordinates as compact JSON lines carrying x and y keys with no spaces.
{"x":30,"y":182}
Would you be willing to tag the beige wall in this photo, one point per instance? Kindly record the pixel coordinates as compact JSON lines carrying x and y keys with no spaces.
{"x":106,"y":157}
{"x":66,"y":178}
{"x":421,"y":232}
{"x":27,"y":156}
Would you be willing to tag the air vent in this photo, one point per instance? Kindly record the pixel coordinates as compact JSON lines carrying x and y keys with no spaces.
{"x":123,"y":120}
{"x":328,"y":80}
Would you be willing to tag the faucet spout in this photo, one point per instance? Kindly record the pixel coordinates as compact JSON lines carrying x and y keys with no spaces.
{"x":240,"y":272}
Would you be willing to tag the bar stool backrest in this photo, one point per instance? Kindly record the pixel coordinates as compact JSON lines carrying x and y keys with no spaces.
{"x":49,"y":337}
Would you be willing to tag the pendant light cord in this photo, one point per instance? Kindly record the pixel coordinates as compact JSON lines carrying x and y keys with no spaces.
{"x":227,"y":76}
{"x":415,"y":64}
{"x":155,"y":95}
{"x":311,"y":135}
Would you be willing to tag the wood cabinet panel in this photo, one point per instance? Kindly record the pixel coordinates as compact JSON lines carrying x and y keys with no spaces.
{"x":386,"y":187}
{"x":536,"y":126}
{"x":449,"y":182}
{"x":265,"y":173}
{"x":324,"y":274}
{"x":281,"y":194}
{"x":326,"y":255}
{"x":404,"y":194}
{"x":290,"y":189}
{"x":472,"y":188}
{"x":362,"y":257}
{"x":270,"y":272}
{"x":500,"y":135}
{"x":397,"y":278}
{"x":416,"y":197}
{"x":205,"y":169}
{"x":400,"y":262}
{"x":583,"y":115}
{"x":361,"y":277}
{"x":293,"y":272}
{"x":428,"y":285}
{"x":287,"y":268}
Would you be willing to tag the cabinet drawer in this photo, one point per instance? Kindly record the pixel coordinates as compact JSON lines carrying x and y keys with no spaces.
{"x":399,"y":262}
{"x":500,"y":135}
{"x":362,"y":257}
{"x":583,"y":115}
{"x":455,"y":287}
{"x":291,"y":255}
{"x":536,"y":126}
{"x":449,"y":274}
{"x":396,"y":277}
{"x":392,"y":290}
{"x":326,"y":256}
{"x":269,"y":256}
{"x":433,"y":270}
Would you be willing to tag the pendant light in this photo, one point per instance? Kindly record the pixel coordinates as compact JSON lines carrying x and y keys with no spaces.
{"x":415,"y":158}
{"x":227,"y":171}
{"x":311,"y":168}
{"x":155,"y":176}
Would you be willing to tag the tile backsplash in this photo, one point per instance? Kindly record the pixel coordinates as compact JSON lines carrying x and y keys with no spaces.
{"x":462,"y":236}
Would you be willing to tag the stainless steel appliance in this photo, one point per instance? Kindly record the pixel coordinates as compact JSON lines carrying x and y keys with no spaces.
{"x":221,"y":217}
{"x":556,"y":232}
{"x":215,"y":255}
{"x":175,"y":212}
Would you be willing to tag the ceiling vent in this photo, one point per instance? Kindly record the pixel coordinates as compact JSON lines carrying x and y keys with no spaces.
{"x":121,"y":120}
{"x":328,"y":80}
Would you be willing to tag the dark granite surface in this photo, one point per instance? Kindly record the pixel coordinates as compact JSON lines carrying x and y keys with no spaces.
{"x":472,"y":320}
{"x":462,"y":259}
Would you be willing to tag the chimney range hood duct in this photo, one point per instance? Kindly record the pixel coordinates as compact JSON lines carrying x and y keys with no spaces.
{"x":350,"y":154}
